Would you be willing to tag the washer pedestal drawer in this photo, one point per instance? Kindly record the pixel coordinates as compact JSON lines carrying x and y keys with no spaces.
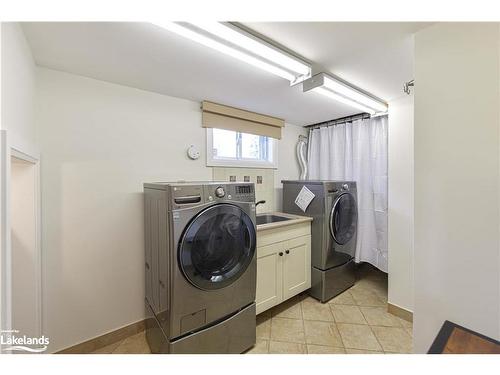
{"x":233,"y":335}
{"x":327,"y":284}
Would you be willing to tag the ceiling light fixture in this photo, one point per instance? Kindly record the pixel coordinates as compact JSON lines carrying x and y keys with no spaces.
{"x":235,"y":42}
{"x":344,"y":93}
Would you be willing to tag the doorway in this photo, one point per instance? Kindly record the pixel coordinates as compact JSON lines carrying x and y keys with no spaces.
{"x":25,"y":245}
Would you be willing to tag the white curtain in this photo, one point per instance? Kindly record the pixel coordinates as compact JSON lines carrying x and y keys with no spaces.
{"x":357,"y":151}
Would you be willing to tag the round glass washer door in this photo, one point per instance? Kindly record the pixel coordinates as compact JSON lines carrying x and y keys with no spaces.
{"x":217,"y":247}
{"x":343,"y":218}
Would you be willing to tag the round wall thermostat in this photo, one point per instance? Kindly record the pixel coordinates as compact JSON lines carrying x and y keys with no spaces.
{"x":193,"y":152}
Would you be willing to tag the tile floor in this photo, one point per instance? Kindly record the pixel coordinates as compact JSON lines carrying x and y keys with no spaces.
{"x":135,"y":344}
{"x":355,"y":322}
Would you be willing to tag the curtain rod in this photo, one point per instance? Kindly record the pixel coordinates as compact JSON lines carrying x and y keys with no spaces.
{"x":358,"y":116}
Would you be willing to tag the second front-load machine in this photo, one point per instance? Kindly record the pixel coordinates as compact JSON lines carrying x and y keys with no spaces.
{"x":333,"y":207}
{"x":200,"y":267}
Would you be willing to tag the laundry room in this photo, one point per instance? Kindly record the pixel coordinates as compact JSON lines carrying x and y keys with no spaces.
{"x":178,"y":187}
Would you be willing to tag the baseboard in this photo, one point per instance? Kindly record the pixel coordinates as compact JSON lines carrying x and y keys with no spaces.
{"x":400,"y":312}
{"x":109,"y":338}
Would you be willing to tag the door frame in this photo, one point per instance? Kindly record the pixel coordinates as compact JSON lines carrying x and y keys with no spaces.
{"x":24,"y":151}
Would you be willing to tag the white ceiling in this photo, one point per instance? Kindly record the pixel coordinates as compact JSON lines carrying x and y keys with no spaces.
{"x":377,"y":57}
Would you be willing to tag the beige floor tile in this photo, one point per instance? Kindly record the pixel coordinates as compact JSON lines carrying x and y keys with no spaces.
{"x":322,"y":333}
{"x":390,"y":353}
{"x":315,"y":310}
{"x":260,"y":347}
{"x":347,"y":314}
{"x":383,"y":299}
{"x":360,"y":351}
{"x":393,"y":339}
{"x":135,"y":344}
{"x":382,"y":290}
{"x":279,"y":347}
{"x":409,"y":330}
{"x":289,"y":309}
{"x":344,"y":298}
{"x":380,"y":287}
{"x":290,"y":330}
{"x":405,"y":323}
{"x":108,"y":349}
{"x":377,"y":286}
{"x":321,"y":349}
{"x":263,"y":327}
{"x":378,"y":316}
{"x":372,"y":284}
{"x":364,"y":297}
{"x":360,"y":285}
{"x":308,"y":298}
{"x":367,"y":283}
{"x":357,"y":336}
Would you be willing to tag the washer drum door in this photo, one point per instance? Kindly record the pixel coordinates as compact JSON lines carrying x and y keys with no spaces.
{"x":343,"y":226}
{"x":217,"y":246}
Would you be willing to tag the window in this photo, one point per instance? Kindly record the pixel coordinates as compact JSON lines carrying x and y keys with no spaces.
{"x":235,"y":149}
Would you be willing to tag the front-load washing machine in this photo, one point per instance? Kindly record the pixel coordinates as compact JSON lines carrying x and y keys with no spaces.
{"x":333,"y":208}
{"x":200,"y":267}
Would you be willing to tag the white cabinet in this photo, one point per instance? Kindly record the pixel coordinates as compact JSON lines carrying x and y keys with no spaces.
{"x":296,"y":266}
{"x":283,"y":264}
{"x":269,"y":276}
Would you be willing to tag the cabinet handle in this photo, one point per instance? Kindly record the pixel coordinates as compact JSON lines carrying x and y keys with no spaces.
{"x":280,"y":253}
{"x":287,"y":251}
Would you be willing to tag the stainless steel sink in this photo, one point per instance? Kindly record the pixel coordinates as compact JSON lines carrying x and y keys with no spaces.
{"x":268,"y":218}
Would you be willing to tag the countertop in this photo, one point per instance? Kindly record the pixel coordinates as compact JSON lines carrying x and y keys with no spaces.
{"x":295,"y":219}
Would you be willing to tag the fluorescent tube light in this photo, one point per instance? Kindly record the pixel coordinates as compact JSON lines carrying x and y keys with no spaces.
{"x":342,"y":99}
{"x":344,"y":93}
{"x":252,"y":44}
{"x":236,"y":43}
{"x":349,"y":92}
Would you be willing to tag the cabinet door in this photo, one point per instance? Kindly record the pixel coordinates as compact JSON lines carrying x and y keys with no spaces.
{"x":269,"y":276}
{"x":296,"y":266}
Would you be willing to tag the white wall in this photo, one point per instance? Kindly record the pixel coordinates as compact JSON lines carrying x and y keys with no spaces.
{"x":4,"y":163}
{"x":18,"y":130}
{"x":400,"y":210}
{"x":99,"y":143}
{"x":18,"y":88}
{"x":457,"y":188}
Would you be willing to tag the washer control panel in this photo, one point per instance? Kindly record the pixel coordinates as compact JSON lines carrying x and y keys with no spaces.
{"x":220,"y":192}
{"x":233,"y":191}
{"x":191,"y":194}
{"x":244,"y":192}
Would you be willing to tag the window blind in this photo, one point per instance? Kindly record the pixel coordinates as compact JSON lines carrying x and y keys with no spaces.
{"x":229,"y":118}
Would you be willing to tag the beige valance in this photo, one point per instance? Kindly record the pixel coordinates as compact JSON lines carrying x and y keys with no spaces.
{"x":230,"y":118}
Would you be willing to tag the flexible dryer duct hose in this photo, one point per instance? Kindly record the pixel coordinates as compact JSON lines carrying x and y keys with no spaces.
{"x":301,"y":156}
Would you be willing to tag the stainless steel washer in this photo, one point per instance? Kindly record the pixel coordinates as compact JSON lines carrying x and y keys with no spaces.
{"x":200,"y":267}
{"x":333,"y":232}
